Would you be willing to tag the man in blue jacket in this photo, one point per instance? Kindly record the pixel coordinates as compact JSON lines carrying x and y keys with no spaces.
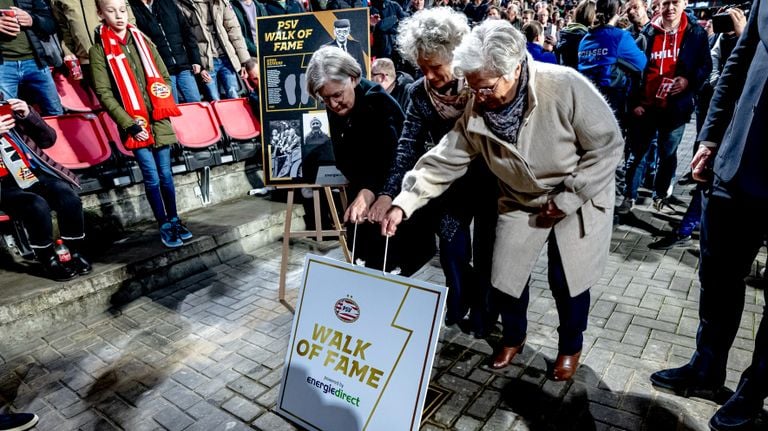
{"x":534,"y":36}
{"x":733,"y":155}
{"x":677,"y":50}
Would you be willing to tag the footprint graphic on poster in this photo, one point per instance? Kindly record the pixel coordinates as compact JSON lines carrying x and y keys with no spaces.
{"x":303,"y":85}
{"x":290,"y":88}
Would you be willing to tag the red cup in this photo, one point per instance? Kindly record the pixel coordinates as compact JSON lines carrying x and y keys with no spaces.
{"x":5,"y":108}
{"x":75,"y":71}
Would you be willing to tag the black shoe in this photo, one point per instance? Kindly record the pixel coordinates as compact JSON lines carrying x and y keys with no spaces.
{"x":737,"y":414}
{"x":56,"y":271}
{"x":79,"y":264}
{"x":686,"y":382}
{"x":670,"y":241}
{"x":18,"y":421}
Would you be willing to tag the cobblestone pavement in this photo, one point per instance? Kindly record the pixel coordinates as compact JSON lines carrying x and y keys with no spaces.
{"x":207,"y":353}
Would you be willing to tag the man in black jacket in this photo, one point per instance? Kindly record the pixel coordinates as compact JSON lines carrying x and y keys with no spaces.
{"x":733,"y":156}
{"x":163,"y":22}
{"x":24,"y":26}
{"x":32,"y":184}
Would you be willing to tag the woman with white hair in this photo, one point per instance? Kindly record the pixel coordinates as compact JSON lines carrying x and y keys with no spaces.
{"x":553,"y":142}
{"x":365,"y":124}
{"x":427,"y":40}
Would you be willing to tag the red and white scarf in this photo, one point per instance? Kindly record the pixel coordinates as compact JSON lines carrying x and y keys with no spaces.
{"x":159,"y":92}
{"x":14,"y":162}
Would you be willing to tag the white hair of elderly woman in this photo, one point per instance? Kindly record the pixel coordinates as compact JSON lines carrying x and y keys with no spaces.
{"x":494,"y":46}
{"x":431,"y":33}
{"x":330,"y":63}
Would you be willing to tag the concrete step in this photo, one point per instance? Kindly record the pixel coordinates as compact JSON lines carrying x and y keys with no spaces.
{"x":137,"y":264}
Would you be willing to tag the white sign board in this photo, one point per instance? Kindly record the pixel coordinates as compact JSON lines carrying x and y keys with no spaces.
{"x":361,"y":348}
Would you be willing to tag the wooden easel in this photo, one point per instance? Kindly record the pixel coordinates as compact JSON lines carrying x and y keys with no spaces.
{"x":318,"y":233}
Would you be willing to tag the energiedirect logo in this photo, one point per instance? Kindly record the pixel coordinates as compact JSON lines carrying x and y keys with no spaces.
{"x":347,"y":310}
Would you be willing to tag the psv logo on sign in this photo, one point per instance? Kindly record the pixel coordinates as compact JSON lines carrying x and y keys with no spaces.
{"x":347,"y":310}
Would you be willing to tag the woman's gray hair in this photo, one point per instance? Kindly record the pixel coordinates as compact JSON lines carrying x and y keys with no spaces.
{"x":330,"y":63}
{"x":493,"y":46}
{"x":434,"y":32}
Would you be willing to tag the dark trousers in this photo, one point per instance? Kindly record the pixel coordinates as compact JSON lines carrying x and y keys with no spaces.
{"x":732,"y":231}
{"x":572,"y":311}
{"x":33,"y":206}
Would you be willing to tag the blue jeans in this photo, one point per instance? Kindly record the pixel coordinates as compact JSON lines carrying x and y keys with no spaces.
{"x":641,"y":136}
{"x":223,"y":78}
{"x":155,"y":165}
{"x":37,"y":79}
{"x":184,"y":87}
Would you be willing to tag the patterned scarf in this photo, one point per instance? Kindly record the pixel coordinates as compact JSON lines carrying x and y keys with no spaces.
{"x":159,"y":92}
{"x":505,"y":122}
{"x":451,"y":104}
{"x":14,"y":162}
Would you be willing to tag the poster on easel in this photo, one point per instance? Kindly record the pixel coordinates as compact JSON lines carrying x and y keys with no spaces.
{"x":297,"y":148}
{"x":361,"y":348}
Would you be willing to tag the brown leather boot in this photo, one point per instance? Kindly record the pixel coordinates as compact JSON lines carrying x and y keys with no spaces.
{"x":505,"y":355}
{"x":565,"y":366}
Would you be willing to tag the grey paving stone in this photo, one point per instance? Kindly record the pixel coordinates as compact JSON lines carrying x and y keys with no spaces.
{"x":173,"y":419}
{"x":484,"y":404}
{"x":242,"y":408}
{"x":272,"y":422}
{"x":500,"y":420}
{"x":247,"y":387}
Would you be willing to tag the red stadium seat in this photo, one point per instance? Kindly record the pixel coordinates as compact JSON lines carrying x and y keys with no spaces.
{"x":242,"y":129}
{"x":113,"y":134}
{"x":73,"y":96}
{"x":81,"y":142}
{"x":198,"y":133}
{"x":197,"y":126}
{"x":237,"y":119}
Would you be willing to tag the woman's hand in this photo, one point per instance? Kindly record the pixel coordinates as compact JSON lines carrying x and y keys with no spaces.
{"x":205,"y":76}
{"x":390,"y":222}
{"x":549,"y":214}
{"x":379,"y":209}
{"x":6,"y":123}
{"x":20,"y":107}
{"x":358,"y":209}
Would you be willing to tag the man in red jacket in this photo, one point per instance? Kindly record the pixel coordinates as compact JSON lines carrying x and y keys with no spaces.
{"x":32,"y":184}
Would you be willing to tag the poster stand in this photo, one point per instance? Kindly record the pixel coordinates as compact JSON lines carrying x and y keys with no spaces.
{"x":318,"y":233}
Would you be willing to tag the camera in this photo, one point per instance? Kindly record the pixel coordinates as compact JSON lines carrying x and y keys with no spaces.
{"x":722,"y":23}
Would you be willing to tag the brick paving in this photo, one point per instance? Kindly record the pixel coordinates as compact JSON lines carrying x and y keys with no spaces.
{"x":207,"y":353}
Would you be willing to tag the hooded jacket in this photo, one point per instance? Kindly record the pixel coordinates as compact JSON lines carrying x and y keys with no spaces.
{"x":76,"y":20}
{"x":43,"y":26}
{"x":227,"y":31}
{"x":685,"y":54}
{"x":169,"y":31}
{"x":605,"y":47}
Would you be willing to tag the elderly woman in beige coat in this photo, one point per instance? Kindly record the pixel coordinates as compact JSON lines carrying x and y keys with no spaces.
{"x":553,"y":143}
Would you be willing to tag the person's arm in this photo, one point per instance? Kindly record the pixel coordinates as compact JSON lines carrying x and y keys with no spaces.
{"x":190,"y":41}
{"x":102,"y":86}
{"x":436,"y":170}
{"x":630,"y":56}
{"x":600,"y":145}
{"x":409,"y":148}
{"x":731,"y":83}
{"x":235,"y":34}
{"x":43,"y":23}
{"x":33,"y":126}
{"x":389,"y":24}
{"x":715,"y":54}
{"x":67,"y":42}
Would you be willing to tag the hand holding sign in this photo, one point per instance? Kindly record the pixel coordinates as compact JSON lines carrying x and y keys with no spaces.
{"x":393,"y":218}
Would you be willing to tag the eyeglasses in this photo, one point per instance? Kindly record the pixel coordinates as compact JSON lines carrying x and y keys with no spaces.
{"x":337,"y":96}
{"x":486,"y":91}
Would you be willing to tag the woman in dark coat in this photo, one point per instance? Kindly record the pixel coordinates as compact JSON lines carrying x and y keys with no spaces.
{"x":365,"y":125}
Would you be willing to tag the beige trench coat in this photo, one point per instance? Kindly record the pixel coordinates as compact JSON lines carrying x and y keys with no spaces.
{"x":568,"y":149}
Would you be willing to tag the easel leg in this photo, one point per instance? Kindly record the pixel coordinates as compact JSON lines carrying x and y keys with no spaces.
{"x":337,"y":224}
{"x":286,"y":245}
{"x":318,"y":218}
